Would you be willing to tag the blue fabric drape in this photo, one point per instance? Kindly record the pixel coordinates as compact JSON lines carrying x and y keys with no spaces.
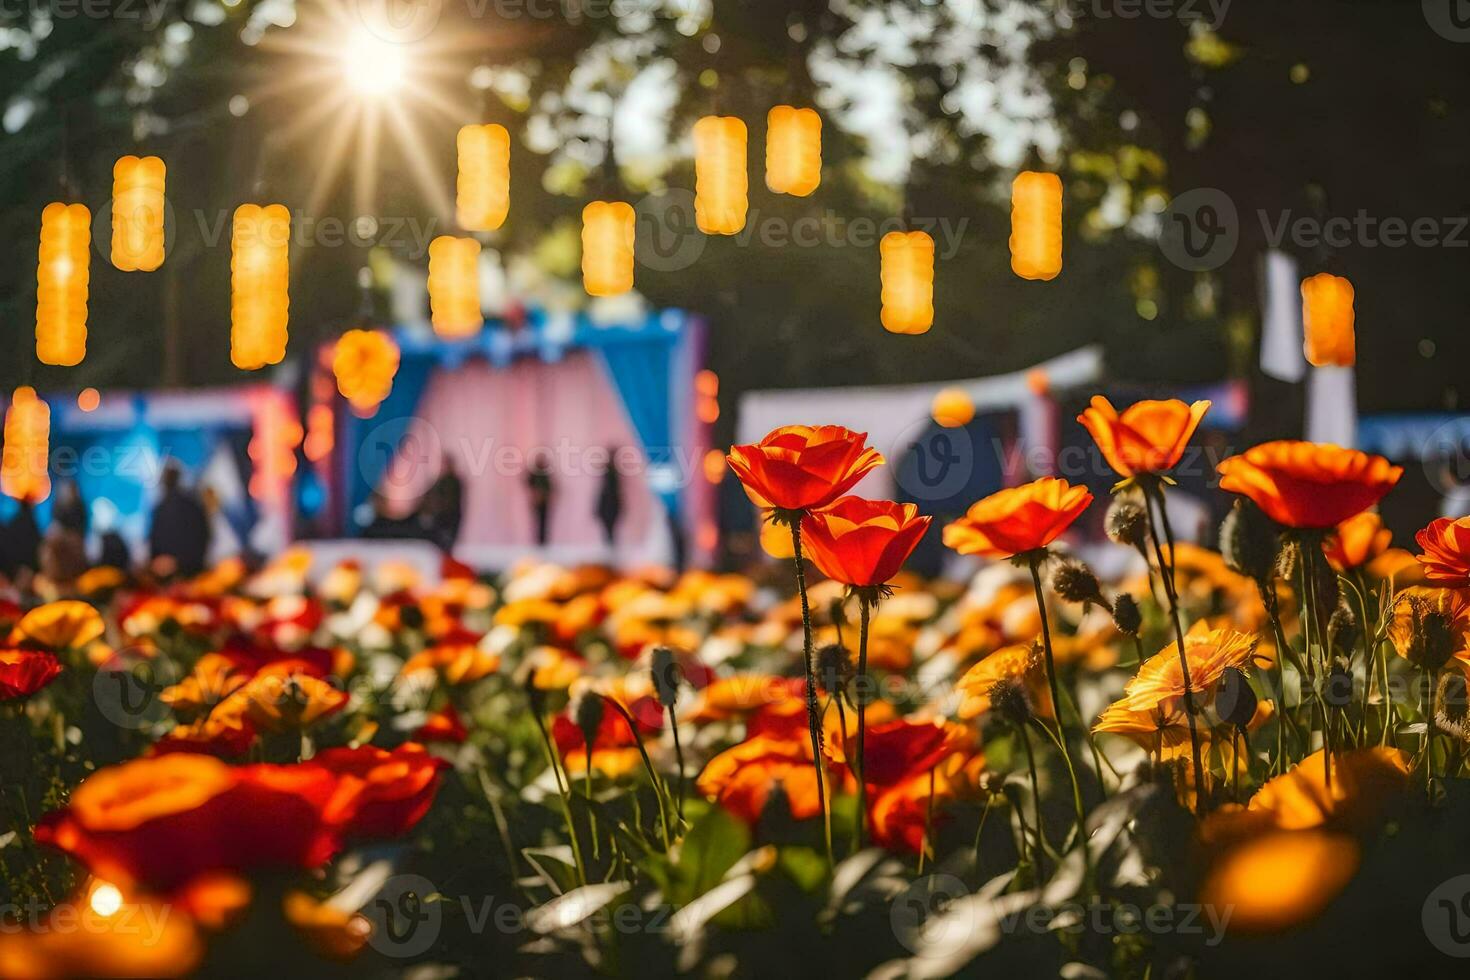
{"x":368,"y":444}
{"x":640,"y":373}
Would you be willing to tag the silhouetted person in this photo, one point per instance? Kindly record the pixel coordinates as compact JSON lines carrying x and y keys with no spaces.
{"x":443,"y":507}
{"x":68,"y":510}
{"x":180,"y":527}
{"x":21,"y":541}
{"x":64,"y":548}
{"x":115,"y":551}
{"x":538,"y":482}
{"x":610,"y":500}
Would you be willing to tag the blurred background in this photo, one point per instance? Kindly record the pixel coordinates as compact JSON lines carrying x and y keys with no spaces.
{"x":1214,"y":153}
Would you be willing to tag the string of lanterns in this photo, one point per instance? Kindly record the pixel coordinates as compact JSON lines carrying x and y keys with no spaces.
{"x":260,"y":239}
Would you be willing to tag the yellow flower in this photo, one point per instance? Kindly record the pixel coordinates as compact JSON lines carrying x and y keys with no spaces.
{"x":1159,"y":683}
{"x":66,"y":625}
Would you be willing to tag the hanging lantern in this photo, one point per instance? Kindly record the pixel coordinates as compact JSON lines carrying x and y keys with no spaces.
{"x":607,"y":248}
{"x":365,"y":362}
{"x":484,"y":177}
{"x":23,"y":464}
{"x":1036,"y":225}
{"x":137,"y":214}
{"x":793,"y":150}
{"x":720,"y":183}
{"x":907,"y":271}
{"x":1327,"y":320}
{"x":89,"y":399}
{"x":454,"y":286}
{"x":62,"y":275}
{"x":952,"y":408}
{"x":260,"y":272}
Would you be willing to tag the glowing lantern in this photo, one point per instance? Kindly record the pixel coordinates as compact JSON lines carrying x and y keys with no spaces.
{"x":275,"y":434}
{"x":607,"y":248}
{"x":365,"y":362}
{"x":137,"y":214}
{"x":260,"y":273}
{"x":484,"y":177}
{"x":23,"y":464}
{"x":88,"y":399}
{"x":714,"y":466}
{"x":793,"y":150}
{"x":952,"y":408}
{"x":454,"y":286}
{"x":907,"y":271}
{"x":62,"y":275}
{"x":321,"y":435}
{"x":719,"y":175}
{"x":1327,"y":318}
{"x":1036,"y":225}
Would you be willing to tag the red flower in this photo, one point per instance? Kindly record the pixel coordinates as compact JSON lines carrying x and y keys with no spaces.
{"x":1019,"y":519}
{"x":862,"y":542}
{"x":24,"y":672}
{"x":160,"y":822}
{"x":1446,"y":557}
{"x":801,"y":467}
{"x":443,"y":725}
{"x":381,"y":794}
{"x":897,"y":749}
{"x":1307,"y":484}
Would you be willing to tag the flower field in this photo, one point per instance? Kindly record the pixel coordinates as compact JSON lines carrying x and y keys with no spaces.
{"x":1248,"y":759}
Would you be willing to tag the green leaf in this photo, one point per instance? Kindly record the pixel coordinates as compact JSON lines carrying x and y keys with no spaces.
{"x":710,"y":849}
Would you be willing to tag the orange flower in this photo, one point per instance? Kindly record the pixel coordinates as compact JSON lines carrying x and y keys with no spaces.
{"x":1014,"y":665}
{"x":900,"y":814}
{"x":1149,"y":437}
{"x":1281,"y":878}
{"x":1446,"y":557}
{"x":1155,"y":730}
{"x":1412,"y":603}
{"x":331,"y":932}
{"x":69,"y":624}
{"x":1363,"y":783}
{"x":444,"y":725}
{"x":101,"y":934}
{"x":614,"y":747}
{"x":742,"y":778}
{"x":1357,"y":541}
{"x":1018,"y":520}
{"x":803,"y":467}
{"x":282,"y":698}
{"x":1159,"y":683}
{"x":24,"y":672}
{"x":861,"y":542}
{"x":1308,"y":484}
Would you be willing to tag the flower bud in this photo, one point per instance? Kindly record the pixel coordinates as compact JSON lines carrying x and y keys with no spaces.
{"x":1126,"y":615}
{"x":587,"y":713}
{"x":1010,"y":699}
{"x":1248,"y":541}
{"x":1452,"y":705}
{"x":666,"y":675}
{"x":1235,"y":700}
{"x":834,"y":667}
{"x":1126,"y":523}
{"x":1342,"y":628}
{"x":1074,"y":582}
{"x":1288,"y":560}
{"x":1434,"y":639}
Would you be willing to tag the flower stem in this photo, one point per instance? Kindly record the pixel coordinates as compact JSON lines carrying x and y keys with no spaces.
{"x":812,"y":716}
{"x":862,"y":721}
{"x":1153,"y":495}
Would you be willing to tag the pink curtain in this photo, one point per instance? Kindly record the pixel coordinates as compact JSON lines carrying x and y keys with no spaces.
{"x":493,"y":422}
